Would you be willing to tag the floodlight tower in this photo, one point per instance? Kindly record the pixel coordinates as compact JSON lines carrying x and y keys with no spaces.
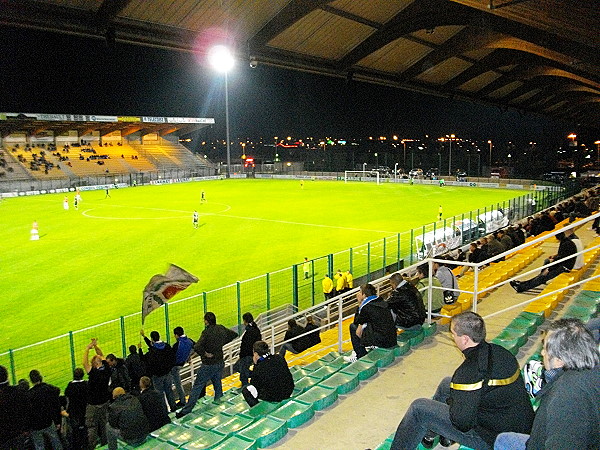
{"x":222,"y":61}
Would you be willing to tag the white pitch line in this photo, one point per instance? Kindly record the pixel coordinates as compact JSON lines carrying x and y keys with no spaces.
{"x":220,"y":214}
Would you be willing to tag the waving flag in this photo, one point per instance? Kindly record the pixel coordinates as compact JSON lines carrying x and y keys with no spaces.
{"x":161,"y":288}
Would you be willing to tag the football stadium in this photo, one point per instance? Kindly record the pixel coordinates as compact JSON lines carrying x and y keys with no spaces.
{"x":170,"y":285}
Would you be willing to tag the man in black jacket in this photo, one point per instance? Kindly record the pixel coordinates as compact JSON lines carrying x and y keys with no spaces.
{"x":406,"y":303}
{"x":119,"y":375}
{"x":566,"y":248}
{"x":373,"y":324}
{"x":250,"y":336}
{"x":153,"y":404}
{"x":76,"y":393}
{"x":14,"y":410}
{"x":271,"y":380}
{"x":126,"y":420}
{"x":159,"y":361}
{"x":210,"y":348}
{"x":485,"y":397}
{"x":96,"y":410}
{"x":44,"y":400}
{"x":294,"y":341}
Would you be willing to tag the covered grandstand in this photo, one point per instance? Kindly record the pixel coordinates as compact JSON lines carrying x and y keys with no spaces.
{"x":63,"y":150}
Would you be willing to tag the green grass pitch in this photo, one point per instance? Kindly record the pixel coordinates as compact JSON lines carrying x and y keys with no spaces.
{"x":91,"y":265}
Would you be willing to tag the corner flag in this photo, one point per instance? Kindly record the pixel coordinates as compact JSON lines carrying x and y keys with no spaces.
{"x":162,"y":288}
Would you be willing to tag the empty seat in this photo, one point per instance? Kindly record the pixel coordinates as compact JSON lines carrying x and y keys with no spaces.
{"x":343,"y":382}
{"x":381,"y":356}
{"x":265,"y":431}
{"x":233,"y":425}
{"x":207,"y":440}
{"x":294,"y":413}
{"x":236,"y":443}
{"x":364,"y":369}
{"x":319,"y":397}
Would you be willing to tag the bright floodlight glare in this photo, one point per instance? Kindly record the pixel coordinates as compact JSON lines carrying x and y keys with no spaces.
{"x":220,"y":58}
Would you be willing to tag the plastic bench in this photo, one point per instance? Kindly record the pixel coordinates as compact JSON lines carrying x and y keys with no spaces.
{"x":383,"y":357}
{"x":343,"y":382}
{"x":265,"y":431}
{"x":319,"y":397}
{"x":294,"y":413}
{"x":207,"y":440}
{"x":364,"y":369}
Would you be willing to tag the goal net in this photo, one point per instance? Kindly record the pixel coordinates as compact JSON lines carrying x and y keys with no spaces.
{"x":360,"y":175}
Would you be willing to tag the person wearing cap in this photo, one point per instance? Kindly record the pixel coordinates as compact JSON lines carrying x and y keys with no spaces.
{"x":271,"y":379}
{"x":126,"y":420}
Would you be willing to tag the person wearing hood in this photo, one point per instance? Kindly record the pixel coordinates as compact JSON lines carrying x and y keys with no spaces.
{"x":159,"y":360}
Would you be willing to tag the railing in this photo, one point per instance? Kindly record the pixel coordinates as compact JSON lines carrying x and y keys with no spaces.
{"x":57,"y":357}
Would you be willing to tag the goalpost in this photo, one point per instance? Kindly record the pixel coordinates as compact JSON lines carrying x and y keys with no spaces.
{"x":361,"y":175}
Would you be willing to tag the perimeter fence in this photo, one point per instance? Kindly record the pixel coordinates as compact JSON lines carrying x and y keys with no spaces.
{"x":57,"y":357}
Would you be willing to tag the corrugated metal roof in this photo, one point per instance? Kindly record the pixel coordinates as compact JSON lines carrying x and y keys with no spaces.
{"x":495,"y":51}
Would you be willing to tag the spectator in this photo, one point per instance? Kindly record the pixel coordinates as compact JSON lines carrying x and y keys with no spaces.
{"x":250,"y":336}
{"x":271,"y":379}
{"x":76,"y":393}
{"x":126,"y":420}
{"x":373,"y":324}
{"x":182,"y":350}
{"x":437,"y":295}
{"x":159,"y":362}
{"x":295,"y":342}
{"x":568,"y":416}
{"x":448,"y":280}
{"x":96,"y":410}
{"x":327,"y":287}
{"x":153,"y":405}
{"x":119,"y":375}
{"x":565,"y":249}
{"x":23,"y":385}
{"x":210,"y":348}
{"x":579,"y":259}
{"x":45,"y":415}
{"x":485,"y":396}
{"x":406,"y":303}
{"x":313,"y":337}
{"x":473,"y":256}
{"x":135,"y":366}
{"x":14,"y":410}
{"x":505,"y":240}
{"x":306,"y":268}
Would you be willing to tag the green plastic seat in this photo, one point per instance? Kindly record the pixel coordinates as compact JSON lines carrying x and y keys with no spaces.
{"x":510,"y":335}
{"x":235,"y":399}
{"x":294,"y":413}
{"x":381,"y":356}
{"x":319,"y":397}
{"x":413,"y":337}
{"x":519,"y":323}
{"x":537,"y":317}
{"x":167,"y":431}
{"x":298,"y":373}
{"x":331,"y":356}
{"x":315,"y":365}
{"x":586,"y":301}
{"x":216,"y":408}
{"x":304,"y":384}
{"x":213,"y":421}
{"x":387,"y":444}
{"x":429,"y":329}
{"x":207,"y":440}
{"x":584,"y":313}
{"x":236,"y":409}
{"x":325,"y":371}
{"x":151,"y":444}
{"x":343,"y":382}
{"x":512,"y":346}
{"x":185,"y":435}
{"x":364,"y":369}
{"x":265,"y":431}
{"x":236,"y":443}
{"x":402,"y":348}
{"x":262,"y":409}
{"x":197,"y":420}
{"x":233,"y":425}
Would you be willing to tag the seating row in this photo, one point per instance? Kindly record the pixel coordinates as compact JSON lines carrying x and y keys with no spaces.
{"x":232,"y":424}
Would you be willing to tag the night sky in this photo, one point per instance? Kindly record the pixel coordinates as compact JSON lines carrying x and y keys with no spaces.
{"x":53,"y":73}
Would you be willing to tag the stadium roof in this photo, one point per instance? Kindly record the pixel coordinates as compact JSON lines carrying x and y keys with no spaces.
{"x":538,"y":56}
{"x":37,"y":123}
